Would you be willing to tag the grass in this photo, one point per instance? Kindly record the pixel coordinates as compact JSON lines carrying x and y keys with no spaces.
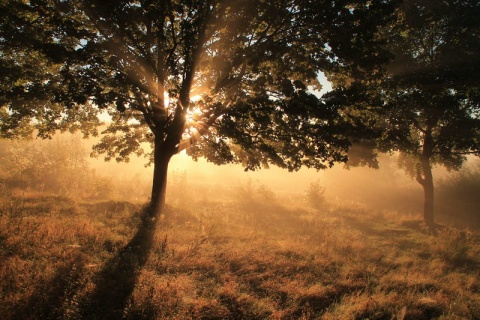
{"x":230,"y":259}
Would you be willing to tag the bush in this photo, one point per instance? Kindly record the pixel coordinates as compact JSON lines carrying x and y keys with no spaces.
{"x":266,"y":194}
{"x":315,"y":195}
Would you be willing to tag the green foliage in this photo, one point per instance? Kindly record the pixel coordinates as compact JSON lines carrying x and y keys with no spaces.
{"x":228,"y":80}
{"x":36,"y":51}
{"x":427,"y":88}
{"x":424,"y":102}
{"x":426,"y":92}
{"x":127,"y":58}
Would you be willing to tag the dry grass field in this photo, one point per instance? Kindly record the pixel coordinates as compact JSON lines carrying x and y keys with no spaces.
{"x":252,"y":257}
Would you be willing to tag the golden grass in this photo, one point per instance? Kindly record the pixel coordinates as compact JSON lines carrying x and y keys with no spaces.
{"x":61,"y":259}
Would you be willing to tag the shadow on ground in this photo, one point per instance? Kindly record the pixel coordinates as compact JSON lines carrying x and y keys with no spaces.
{"x":61,"y":298}
{"x":48,"y":299}
{"x":116,"y":282}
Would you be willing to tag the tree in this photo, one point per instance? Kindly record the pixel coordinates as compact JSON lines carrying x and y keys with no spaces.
{"x":226,"y":80}
{"x":425,"y":103}
{"x":34,"y":54}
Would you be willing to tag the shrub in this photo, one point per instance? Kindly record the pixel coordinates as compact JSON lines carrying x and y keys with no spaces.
{"x":315,"y":195}
{"x":265,"y":193}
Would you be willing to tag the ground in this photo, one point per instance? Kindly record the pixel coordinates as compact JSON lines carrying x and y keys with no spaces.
{"x":243,"y":258}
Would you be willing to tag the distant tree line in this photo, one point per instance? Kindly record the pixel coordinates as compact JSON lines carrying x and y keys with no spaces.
{"x":57,"y":167}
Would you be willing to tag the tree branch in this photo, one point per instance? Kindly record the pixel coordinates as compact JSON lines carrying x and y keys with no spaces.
{"x":202,"y":129}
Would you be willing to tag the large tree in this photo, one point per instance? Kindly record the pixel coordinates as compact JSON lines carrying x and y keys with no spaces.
{"x":226,"y":80}
{"x":426,"y":102}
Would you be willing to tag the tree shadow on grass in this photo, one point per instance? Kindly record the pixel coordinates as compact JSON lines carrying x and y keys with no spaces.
{"x":52,"y":299}
{"x":376,"y":229}
{"x":114,"y":284}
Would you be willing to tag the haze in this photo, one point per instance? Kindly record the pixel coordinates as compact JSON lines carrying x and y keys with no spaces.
{"x":231,"y":242}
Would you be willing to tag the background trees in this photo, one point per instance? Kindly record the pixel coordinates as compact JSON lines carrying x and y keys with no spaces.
{"x":426,"y":102}
{"x":57,"y":166}
{"x":228,"y":80}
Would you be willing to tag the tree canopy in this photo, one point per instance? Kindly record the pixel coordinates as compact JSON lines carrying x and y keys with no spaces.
{"x":227,"y":80}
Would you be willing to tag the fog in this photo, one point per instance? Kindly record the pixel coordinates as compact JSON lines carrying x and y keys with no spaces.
{"x":386,"y":188}
{"x":62,"y":166}
{"x":229,"y":238}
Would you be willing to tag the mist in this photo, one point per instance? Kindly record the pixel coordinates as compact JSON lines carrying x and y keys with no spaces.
{"x":387,"y":189}
{"x":261,"y":245}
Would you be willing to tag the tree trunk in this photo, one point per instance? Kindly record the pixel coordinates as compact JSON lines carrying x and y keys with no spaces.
{"x":166,"y":145}
{"x":425,"y":177}
{"x":428,"y":192}
{"x":160,"y":170}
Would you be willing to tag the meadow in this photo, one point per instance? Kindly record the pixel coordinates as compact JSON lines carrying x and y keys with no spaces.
{"x":246,"y":253}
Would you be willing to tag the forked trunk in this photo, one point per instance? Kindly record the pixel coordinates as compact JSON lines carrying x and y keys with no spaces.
{"x":166,"y":145}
